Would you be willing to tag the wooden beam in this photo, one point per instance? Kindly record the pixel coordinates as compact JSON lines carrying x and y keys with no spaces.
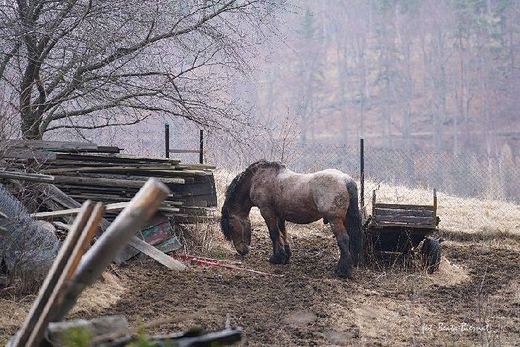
{"x":31,"y":332}
{"x":72,"y":211}
{"x":117,"y":206}
{"x":109,"y":182}
{"x":20,"y":153}
{"x":27,"y":176}
{"x":156,"y":254}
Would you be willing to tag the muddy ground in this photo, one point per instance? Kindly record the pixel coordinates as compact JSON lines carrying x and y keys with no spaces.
{"x":474,"y":299}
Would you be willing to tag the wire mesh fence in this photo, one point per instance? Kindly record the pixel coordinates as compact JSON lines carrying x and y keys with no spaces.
{"x":478,"y":195}
{"x":463,"y":175}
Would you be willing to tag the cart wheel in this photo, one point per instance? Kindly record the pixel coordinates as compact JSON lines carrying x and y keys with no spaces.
{"x":432,"y":252}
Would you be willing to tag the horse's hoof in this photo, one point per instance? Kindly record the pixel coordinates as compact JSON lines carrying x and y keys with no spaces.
{"x":344,"y":272}
{"x":344,"y":275}
{"x":279,"y":259}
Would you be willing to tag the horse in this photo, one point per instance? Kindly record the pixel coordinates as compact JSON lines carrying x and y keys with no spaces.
{"x":282,"y":195}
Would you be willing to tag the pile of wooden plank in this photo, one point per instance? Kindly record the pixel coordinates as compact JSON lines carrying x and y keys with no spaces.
{"x":85,"y":171}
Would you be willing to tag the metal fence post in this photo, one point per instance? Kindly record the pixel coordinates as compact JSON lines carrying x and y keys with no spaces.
{"x":201,"y":151}
{"x":362,"y":170}
{"x":167,"y":139}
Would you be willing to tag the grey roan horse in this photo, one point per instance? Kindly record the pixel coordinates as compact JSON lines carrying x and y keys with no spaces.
{"x":282,"y":195}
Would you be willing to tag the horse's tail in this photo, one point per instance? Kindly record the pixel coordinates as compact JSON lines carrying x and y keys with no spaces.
{"x":353,"y":224}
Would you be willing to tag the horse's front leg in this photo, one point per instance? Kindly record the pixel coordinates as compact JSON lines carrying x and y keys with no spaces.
{"x":277,"y":236}
{"x":345,"y":263}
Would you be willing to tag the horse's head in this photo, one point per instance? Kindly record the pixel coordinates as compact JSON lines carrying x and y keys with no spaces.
{"x":237,"y":230}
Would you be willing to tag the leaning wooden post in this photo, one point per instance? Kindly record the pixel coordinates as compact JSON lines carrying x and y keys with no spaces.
{"x":113,"y":240}
{"x":32,"y":331}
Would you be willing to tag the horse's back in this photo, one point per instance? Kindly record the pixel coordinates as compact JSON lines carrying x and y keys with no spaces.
{"x":321,"y":194}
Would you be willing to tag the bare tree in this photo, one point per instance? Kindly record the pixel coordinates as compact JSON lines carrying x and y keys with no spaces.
{"x":87,"y":64}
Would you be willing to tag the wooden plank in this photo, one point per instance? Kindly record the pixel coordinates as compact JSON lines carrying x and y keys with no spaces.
{"x":404,"y":206}
{"x":72,"y":211}
{"x":30,"y":335}
{"x":86,"y":237}
{"x":114,"y":207}
{"x":32,"y":177}
{"x":107,"y":182}
{"x":406,"y":219}
{"x":117,"y":168}
{"x":19,"y":153}
{"x":398,"y":213}
{"x":184,"y":166}
{"x":60,"y":198}
{"x":115,"y":158}
{"x":156,"y":254}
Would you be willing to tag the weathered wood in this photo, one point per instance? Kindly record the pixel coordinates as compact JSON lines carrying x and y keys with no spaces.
{"x":116,"y":178}
{"x":27,"y":176}
{"x":64,"y":200}
{"x":404,"y":215}
{"x":62,"y":225}
{"x":108,"y":182}
{"x":156,"y":254}
{"x":54,"y":302}
{"x":20,"y":153}
{"x":190,"y":166}
{"x":56,"y":195}
{"x":87,"y":234}
{"x":398,"y":213}
{"x":81,"y":167}
{"x":404,"y":207}
{"x":113,"y":240}
{"x":73,"y":211}
{"x":31,"y":332}
{"x":100,"y":329}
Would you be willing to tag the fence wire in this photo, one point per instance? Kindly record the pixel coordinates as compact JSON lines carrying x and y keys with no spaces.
{"x":464,"y":175}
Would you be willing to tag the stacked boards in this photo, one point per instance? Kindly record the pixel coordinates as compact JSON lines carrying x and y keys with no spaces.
{"x":85,"y":171}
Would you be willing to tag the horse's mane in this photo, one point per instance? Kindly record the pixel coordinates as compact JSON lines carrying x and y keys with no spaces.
{"x":234,"y":187}
{"x":247,"y":173}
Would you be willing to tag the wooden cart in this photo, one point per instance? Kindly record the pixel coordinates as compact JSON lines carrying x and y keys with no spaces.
{"x":399,"y":234}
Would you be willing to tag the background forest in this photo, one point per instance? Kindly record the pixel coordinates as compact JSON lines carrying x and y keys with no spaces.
{"x":431,"y":85}
{"x":412,"y":74}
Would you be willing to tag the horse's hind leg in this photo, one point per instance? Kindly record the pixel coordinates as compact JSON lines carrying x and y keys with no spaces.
{"x":283,"y":234}
{"x":344,"y":267}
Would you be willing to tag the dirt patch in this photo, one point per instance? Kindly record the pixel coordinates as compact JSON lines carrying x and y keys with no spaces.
{"x":473,"y":299}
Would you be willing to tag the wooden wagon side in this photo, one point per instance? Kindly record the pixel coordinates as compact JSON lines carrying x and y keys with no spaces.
{"x":395,"y":232}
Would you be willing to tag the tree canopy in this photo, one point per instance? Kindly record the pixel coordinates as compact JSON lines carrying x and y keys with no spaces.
{"x":87,"y":64}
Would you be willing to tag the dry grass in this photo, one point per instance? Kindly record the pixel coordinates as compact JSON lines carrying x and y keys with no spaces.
{"x":476,"y":217}
{"x":103,"y":294}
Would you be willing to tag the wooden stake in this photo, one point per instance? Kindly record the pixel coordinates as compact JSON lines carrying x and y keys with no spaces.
{"x":32,"y":330}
